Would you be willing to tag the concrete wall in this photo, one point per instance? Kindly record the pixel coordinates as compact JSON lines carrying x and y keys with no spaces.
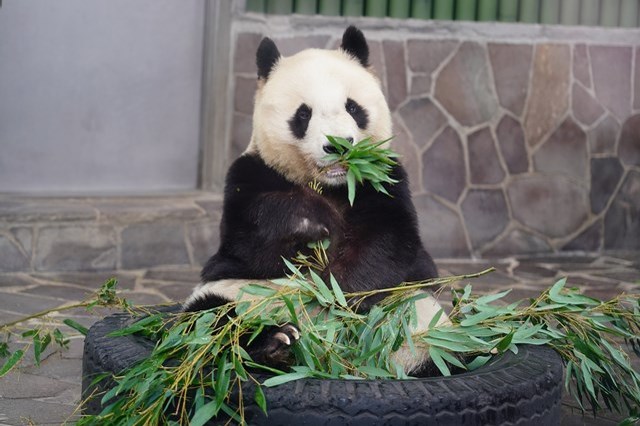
{"x":100,"y":96}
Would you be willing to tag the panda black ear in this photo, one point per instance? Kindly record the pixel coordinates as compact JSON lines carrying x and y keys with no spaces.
{"x":266,"y":57}
{"x":354,"y":43}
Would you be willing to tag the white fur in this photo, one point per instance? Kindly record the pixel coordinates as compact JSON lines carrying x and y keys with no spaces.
{"x":426,"y":310}
{"x":323,"y":80}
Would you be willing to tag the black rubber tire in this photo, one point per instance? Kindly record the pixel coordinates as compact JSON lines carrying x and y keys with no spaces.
{"x":522,"y":389}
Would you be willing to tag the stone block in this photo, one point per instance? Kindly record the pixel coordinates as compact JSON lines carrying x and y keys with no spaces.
{"x":12,"y":257}
{"x":396,"y":72}
{"x":512,"y":145}
{"x":420,"y":85}
{"x":565,"y":152}
{"x":409,"y":156}
{"x":611,"y":70}
{"x":602,"y":138}
{"x":518,"y":242}
{"x":586,"y":108}
{"x":90,"y":280}
{"x":376,"y":59}
{"x":440,"y":228}
{"x":35,"y":210}
{"x":636,"y":81}
{"x":425,"y":56}
{"x":151,"y":244}
{"x":244,"y":91}
{"x":443,"y":165}
{"x":147,"y":209}
{"x":581,"y":67}
{"x":76,"y":248}
{"x":605,"y":176}
{"x":511,"y":64}
{"x":548,"y":99}
{"x":486,"y":215}
{"x":484,"y":164}
{"x":204,"y":238}
{"x":240,"y":134}
{"x":245,"y":55}
{"x":423,"y":119}
{"x":24,"y":236}
{"x":552,"y":205}
{"x":588,"y":240}
{"x":629,"y":145}
{"x":62,"y":292}
{"x":622,"y":221}
{"x":463,"y":86}
{"x":291,"y":45}
{"x":27,"y":304}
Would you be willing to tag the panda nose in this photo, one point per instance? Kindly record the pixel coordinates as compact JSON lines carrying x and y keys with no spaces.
{"x":330,"y":149}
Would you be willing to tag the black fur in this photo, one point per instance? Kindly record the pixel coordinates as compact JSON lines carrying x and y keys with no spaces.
{"x":266,"y":57}
{"x":358,"y":113}
{"x":374,"y":244}
{"x":300,"y":121}
{"x":354,"y":43}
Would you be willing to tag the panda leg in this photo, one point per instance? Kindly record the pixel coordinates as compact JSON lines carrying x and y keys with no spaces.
{"x":417,"y":362}
{"x":272,"y":347}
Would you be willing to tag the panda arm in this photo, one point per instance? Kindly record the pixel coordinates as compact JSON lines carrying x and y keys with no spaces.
{"x":265,"y":218}
{"x":274,"y":208}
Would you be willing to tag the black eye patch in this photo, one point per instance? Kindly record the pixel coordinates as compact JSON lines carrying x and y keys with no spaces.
{"x":300,"y":121}
{"x":358,"y":113}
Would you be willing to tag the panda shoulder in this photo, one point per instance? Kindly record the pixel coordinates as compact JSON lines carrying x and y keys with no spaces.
{"x":251,"y":169}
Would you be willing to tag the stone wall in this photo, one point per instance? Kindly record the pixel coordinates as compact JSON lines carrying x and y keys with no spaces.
{"x":94,"y":234}
{"x":518,"y":139}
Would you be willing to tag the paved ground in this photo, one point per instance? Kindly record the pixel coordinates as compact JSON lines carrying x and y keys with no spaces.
{"x":49,"y":394}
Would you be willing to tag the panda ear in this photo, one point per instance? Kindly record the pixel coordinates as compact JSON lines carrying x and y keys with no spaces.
{"x":354,"y":43}
{"x":266,"y":57}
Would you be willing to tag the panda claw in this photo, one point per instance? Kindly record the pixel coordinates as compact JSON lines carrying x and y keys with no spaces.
{"x":292,"y":330}
{"x":283,"y":338}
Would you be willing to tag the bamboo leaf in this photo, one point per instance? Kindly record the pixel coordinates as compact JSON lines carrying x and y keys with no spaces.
{"x":76,"y":326}
{"x":204,"y":414}
{"x":260,"y":399}
{"x":284,"y":378}
{"x":436,"y":357}
{"x":337,"y":291}
{"x":11,"y":362}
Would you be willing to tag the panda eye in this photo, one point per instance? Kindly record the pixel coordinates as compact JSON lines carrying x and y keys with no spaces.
{"x":358,"y":113}
{"x":351,"y":107}
{"x":303,"y":113}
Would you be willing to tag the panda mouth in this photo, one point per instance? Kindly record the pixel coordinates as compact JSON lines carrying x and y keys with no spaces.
{"x":335,"y":171}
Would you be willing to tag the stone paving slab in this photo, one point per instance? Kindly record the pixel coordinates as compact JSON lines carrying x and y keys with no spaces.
{"x":49,"y":394}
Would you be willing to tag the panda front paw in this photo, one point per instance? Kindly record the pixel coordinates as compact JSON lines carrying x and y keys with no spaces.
{"x":311,"y":231}
{"x":273,"y":346}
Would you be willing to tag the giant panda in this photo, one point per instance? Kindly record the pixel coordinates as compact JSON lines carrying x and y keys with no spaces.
{"x":270,"y":212}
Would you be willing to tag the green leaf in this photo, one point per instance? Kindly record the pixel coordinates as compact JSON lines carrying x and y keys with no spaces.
{"x":505,"y":342}
{"x":11,"y":362}
{"x":258,"y":290}
{"x":337,"y":291}
{"x":351,"y":186}
{"x":437,"y":358}
{"x":478,"y":362}
{"x":260,"y":399}
{"x":284,"y":378}
{"x":322,"y":287}
{"x":76,"y":326}
{"x":204,"y":414}
{"x":375,"y":372}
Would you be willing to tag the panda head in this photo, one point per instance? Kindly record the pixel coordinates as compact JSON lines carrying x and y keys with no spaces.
{"x":305,"y":97}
